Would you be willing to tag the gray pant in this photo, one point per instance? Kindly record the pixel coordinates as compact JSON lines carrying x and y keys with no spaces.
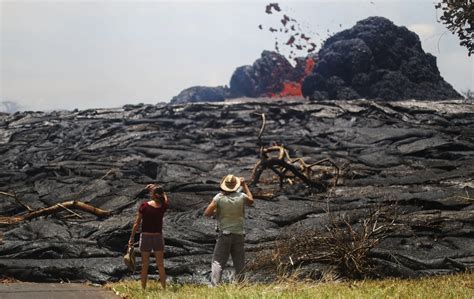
{"x":232,"y":244}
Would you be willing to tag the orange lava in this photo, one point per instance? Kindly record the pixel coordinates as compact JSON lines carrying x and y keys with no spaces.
{"x":292,"y":89}
{"x":309,"y":66}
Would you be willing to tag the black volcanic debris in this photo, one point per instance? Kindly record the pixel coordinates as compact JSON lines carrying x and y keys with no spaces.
{"x":290,"y":35}
{"x":265,"y":77}
{"x":376,"y":59}
{"x":272,"y":6}
{"x":415,"y":156}
{"x":202,"y":94}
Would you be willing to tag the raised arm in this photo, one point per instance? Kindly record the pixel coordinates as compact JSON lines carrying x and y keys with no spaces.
{"x":249,"y":200}
{"x":157,"y":190}
{"x":166,"y":199}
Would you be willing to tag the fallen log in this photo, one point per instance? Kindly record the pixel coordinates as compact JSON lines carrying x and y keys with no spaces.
{"x":314,"y":175}
{"x":55,"y":209}
{"x":272,"y":162}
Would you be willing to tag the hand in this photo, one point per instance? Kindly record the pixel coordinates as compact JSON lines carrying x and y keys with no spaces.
{"x":242,"y":180}
{"x":130,"y":242}
{"x":151,"y":187}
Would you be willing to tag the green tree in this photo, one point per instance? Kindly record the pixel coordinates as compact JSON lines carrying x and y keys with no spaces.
{"x":458,"y":16}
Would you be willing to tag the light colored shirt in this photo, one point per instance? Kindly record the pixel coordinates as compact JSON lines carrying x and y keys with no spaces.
{"x":230,"y":212}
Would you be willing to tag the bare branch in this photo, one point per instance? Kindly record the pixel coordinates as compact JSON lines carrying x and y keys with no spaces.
{"x":69,"y":210}
{"x":344,"y":245}
{"x":55,"y":209}
{"x":17,"y":200}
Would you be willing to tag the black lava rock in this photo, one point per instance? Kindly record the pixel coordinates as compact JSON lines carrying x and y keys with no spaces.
{"x":266,"y":76}
{"x":415,"y":156}
{"x":201,"y":94}
{"x":376,"y":59}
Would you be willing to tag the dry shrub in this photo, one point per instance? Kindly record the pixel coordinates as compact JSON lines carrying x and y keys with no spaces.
{"x":343,"y":244}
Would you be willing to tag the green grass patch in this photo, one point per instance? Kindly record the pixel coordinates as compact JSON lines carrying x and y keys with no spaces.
{"x":448,"y":286}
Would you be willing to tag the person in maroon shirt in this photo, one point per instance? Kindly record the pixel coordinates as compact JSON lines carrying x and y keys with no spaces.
{"x":150,"y":216}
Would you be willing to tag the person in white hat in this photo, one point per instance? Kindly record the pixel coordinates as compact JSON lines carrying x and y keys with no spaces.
{"x":228,"y":206}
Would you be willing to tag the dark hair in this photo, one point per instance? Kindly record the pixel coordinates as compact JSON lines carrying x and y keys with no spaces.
{"x":159,"y":191}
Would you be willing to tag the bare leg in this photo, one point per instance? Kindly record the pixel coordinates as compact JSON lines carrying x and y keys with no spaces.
{"x":145,"y":263}
{"x":161,"y":267}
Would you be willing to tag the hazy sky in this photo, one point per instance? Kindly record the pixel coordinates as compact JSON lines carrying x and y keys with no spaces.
{"x":90,"y":54}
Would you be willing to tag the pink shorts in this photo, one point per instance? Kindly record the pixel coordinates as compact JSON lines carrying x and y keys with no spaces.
{"x":151,"y":242}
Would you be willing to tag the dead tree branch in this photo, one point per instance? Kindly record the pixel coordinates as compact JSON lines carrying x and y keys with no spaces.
{"x":315,"y":175}
{"x":112,"y":171}
{"x":70,"y":211}
{"x":17,"y":200}
{"x":263,"y":125}
{"x":68,"y":205}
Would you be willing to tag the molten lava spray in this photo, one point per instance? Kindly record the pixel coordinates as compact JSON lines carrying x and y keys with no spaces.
{"x":293,"y":89}
{"x":299,"y":43}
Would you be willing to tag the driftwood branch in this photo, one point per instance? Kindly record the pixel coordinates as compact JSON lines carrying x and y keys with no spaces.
{"x":272,"y":162}
{"x":17,"y":200}
{"x":68,"y":205}
{"x":112,"y":171}
{"x":70,"y":211}
{"x":260,"y":133}
{"x":263,"y":126}
{"x":315,"y":175}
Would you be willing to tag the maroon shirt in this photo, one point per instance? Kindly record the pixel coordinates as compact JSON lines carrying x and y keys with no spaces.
{"x":152,"y":218}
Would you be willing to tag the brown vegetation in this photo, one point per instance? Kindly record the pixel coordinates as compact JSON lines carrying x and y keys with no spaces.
{"x":344,"y":245}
